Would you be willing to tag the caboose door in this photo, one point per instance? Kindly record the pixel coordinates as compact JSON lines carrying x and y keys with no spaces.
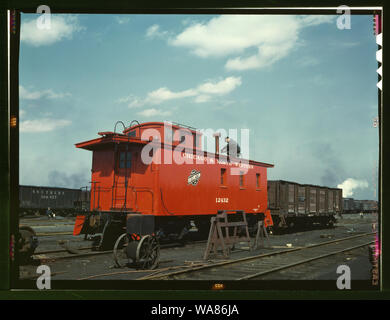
{"x":122,"y":193}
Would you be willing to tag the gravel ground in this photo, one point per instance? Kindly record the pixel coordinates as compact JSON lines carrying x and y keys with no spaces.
{"x":74,"y":269}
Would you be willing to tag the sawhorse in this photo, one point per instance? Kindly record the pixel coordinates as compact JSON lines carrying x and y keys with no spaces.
{"x":261,"y":234}
{"x":217,"y":238}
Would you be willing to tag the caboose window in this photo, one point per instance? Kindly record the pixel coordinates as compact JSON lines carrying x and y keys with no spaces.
{"x":241,"y":179}
{"x":257,"y":180}
{"x":223,"y":176}
{"x":125,"y":162}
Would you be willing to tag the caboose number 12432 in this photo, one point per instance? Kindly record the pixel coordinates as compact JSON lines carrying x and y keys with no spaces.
{"x":153,"y":182}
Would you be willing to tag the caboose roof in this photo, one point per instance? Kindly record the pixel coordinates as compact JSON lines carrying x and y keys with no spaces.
{"x":110,"y":138}
{"x":107,"y":139}
{"x":161,"y":124}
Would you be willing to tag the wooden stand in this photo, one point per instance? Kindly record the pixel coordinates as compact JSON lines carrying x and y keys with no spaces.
{"x":225,"y":240}
{"x":260,"y":235}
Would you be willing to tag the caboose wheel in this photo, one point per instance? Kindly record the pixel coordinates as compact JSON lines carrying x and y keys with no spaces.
{"x":120,"y":255}
{"x":148,"y":252}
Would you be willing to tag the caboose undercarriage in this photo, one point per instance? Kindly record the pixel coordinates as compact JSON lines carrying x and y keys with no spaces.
{"x":141,"y":234}
{"x":107,"y":226}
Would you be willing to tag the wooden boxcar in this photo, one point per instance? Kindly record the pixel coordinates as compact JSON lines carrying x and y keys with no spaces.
{"x":293,"y":204}
{"x":359,"y":206}
{"x":348,"y":205}
{"x":36,"y":199}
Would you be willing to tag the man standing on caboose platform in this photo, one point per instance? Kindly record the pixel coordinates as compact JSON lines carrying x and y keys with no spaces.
{"x":232,"y":148}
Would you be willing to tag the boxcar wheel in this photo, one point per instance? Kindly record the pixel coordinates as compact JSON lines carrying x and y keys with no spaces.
{"x":120,"y":247}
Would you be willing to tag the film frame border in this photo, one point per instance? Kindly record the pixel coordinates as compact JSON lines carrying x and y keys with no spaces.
{"x":9,"y":141}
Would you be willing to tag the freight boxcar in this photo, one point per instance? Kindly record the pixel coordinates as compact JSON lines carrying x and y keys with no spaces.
{"x":359,"y":206}
{"x":154,"y":179}
{"x":370,"y":206}
{"x":349,"y":205}
{"x":63,"y":201}
{"x":34,"y":200}
{"x":293,"y":204}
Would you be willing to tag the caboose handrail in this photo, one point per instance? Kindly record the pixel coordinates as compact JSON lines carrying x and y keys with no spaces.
{"x":132,"y":123}
{"x":184,"y":126}
{"x":122,"y":125}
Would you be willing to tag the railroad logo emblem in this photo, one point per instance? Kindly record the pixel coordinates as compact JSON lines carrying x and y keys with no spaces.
{"x":194,"y":177}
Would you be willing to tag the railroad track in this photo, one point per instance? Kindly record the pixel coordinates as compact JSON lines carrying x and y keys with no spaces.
{"x":257,"y":266}
{"x":72,"y":253}
{"x":53,"y":234}
{"x":44,"y":258}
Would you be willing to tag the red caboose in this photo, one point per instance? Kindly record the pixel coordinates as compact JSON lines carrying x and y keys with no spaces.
{"x":155,"y":176}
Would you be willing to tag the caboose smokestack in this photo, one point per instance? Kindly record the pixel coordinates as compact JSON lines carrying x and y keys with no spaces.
{"x":217,"y":135}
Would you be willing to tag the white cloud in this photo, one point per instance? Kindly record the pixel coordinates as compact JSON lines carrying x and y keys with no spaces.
{"x":154,"y":32}
{"x":34,"y":95}
{"x":273,"y":37}
{"x":42,"y":125}
{"x":315,"y":20}
{"x":202,"y":98}
{"x":153,"y":112}
{"x":61,"y":27}
{"x":163,"y":94}
{"x":350,"y":184}
{"x":202,"y":93}
{"x":122,"y":20}
{"x":220,"y":88}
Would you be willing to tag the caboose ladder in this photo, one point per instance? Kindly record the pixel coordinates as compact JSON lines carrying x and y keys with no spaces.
{"x":117,"y":185}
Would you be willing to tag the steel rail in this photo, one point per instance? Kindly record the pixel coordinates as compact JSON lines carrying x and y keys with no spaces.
{"x":62,"y":250}
{"x":44,"y":225}
{"x":75,"y":255}
{"x":255,"y":275}
{"x":220,"y":264}
{"x":52,"y":234}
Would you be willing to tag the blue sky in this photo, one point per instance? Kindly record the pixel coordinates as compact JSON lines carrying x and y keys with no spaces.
{"x":305,"y":89}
